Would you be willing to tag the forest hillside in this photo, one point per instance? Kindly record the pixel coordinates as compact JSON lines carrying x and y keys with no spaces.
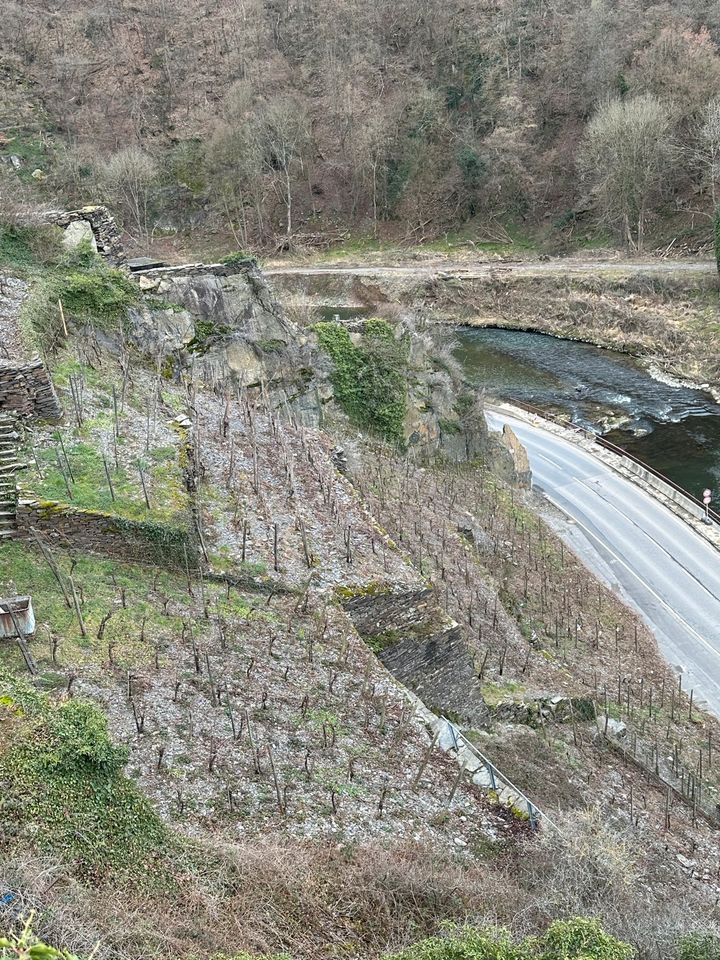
{"x":513,"y":122}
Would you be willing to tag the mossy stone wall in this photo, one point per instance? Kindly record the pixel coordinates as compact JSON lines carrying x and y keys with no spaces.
{"x":135,"y":540}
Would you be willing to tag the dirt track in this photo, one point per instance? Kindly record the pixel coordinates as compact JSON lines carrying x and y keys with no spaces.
{"x":473,"y":270}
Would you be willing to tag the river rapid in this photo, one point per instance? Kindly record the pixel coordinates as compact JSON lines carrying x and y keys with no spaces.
{"x":670,"y":426}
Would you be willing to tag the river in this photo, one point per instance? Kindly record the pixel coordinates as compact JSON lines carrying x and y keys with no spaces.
{"x":672,"y":427}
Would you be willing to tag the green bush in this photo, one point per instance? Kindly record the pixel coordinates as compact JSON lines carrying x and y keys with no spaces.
{"x":90,"y":291}
{"x":369,"y":379}
{"x":699,"y":946}
{"x":472,"y":166}
{"x":239,"y":256}
{"x":26,"y":946}
{"x":62,"y":787}
{"x":465,"y":943}
{"x":581,"y":939}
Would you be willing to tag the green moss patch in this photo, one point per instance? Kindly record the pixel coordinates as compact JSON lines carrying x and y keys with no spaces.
{"x":206,"y":330}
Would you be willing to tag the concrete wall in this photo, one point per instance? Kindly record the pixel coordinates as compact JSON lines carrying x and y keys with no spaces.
{"x":142,"y":541}
{"x":26,"y":390}
{"x":654,"y":483}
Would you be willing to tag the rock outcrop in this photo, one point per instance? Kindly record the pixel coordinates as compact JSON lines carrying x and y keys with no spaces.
{"x":223,"y":322}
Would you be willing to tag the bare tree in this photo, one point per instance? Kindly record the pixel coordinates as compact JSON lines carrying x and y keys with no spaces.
{"x":709,"y":146}
{"x":625,"y":156}
{"x":130,"y":174}
{"x":283,"y":132}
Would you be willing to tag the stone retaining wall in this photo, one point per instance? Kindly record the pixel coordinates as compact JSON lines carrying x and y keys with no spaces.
{"x":375,"y":611}
{"x":247,"y":266}
{"x":539,"y":711}
{"x":142,"y":541}
{"x":27,"y":390}
{"x":423,"y":649}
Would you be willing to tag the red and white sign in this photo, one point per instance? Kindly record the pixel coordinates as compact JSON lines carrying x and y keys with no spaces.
{"x":707,"y":497}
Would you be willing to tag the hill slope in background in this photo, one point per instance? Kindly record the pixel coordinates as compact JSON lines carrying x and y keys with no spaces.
{"x":259,"y":118}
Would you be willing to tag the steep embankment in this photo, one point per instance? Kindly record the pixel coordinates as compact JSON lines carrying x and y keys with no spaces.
{"x":288,"y":576}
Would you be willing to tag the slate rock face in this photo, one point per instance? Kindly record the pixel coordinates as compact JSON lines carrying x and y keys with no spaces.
{"x":222,"y":300}
{"x":161,"y":332}
{"x":224,"y":322}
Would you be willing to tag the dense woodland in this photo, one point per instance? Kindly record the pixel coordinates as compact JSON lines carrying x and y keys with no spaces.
{"x":259,"y":119}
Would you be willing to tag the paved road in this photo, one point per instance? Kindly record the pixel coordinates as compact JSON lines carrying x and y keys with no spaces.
{"x":659,"y":563}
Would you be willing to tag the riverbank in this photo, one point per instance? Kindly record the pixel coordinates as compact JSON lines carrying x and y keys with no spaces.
{"x":666,"y":313}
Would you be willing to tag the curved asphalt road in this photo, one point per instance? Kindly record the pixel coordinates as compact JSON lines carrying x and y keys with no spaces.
{"x":659,"y":563}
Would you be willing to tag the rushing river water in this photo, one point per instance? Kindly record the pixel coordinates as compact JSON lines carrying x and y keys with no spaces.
{"x":675,"y":429}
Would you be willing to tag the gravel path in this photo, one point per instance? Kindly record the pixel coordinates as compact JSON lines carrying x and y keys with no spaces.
{"x":12,"y":294}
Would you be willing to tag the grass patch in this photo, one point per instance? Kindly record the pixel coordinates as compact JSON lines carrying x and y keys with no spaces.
{"x":149,"y":608}
{"x":62,"y":786}
{"x":33,"y":153}
{"x":495,"y":693}
{"x":91,"y":491}
{"x":27,"y":249}
{"x":100,"y":584}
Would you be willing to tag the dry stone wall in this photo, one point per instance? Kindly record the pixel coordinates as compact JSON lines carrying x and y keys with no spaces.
{"x":104,"y":229}
{"x":27,"y":391}
{"x":141,"y":541}
{"x":423,"y":649}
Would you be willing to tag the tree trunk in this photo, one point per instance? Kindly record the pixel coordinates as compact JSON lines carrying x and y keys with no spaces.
{"x":288,"y":201}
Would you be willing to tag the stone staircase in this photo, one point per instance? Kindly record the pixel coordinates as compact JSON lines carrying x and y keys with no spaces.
{"x":8,"y":469}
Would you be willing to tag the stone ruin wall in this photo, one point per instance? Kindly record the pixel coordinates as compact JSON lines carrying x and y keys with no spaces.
{"x":103,"y":231}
